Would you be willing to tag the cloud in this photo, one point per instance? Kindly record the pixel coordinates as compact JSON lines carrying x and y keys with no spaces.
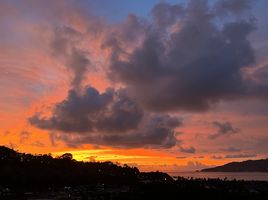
{"x":38,"y":144}
{"x":187,"y":149}
{"x":224,"y":128}
{"x":240,"y":156}
{"x":64,"y":47}
{"x":111,"y":111}
{"x":233,"y":7}
{"x":195,"y":165}
{"x":192,"y":67}
{"x":181,"y":157}
{"x":217,"y":157}
{"x":261,"y":75}
{"x":199,"y":157}
{"x":182,"y":58}
{"x":231,"y":149}
{"x":113,"y":117}
{"x":24,"y":135}
{"x":110,"y":118}
{"x":165,"y":14}
{"x":155,"y":132}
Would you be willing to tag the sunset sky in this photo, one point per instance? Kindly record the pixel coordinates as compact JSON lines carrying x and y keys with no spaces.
{"x":174,"y":85}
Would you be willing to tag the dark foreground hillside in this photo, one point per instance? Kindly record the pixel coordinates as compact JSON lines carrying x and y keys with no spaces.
{"x":26,"y":176}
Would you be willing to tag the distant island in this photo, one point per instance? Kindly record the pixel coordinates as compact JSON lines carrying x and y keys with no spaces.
{"x":25,"y":176}
{"x":245,"y":166}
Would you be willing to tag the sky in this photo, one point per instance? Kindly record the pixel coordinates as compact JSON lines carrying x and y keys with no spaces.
{"x":174,"y":85}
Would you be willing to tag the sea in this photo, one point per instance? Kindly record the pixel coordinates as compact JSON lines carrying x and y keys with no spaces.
{"x":247,"y":176}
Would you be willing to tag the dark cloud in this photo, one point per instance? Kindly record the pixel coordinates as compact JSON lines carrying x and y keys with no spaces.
{"x":224,"y":128}
{"x":231,"y":6}
{"x":241,"y":156}
{"x":130,"y":29}
{"x":181,"y":157}
{"x":231,"y":149}
{"x":179,"y":59}
{"x":155,"y":132}
{"x":188,"y":68}
{"x":111,"y":111}
{"x":187,"y":149}
{"x":110,"y":118}
{"x":65,"y":47}
{"x":165,"y":14}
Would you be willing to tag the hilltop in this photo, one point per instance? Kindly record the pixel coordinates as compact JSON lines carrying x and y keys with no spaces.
{"x":21,"y":169}
{"x":245,"y":166}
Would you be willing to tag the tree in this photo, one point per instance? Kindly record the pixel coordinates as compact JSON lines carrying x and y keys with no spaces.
{"x":66,"y":156}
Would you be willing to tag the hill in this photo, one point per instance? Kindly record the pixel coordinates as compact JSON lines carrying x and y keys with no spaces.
{"x":27,"y":170}
{"x":245,"y":166}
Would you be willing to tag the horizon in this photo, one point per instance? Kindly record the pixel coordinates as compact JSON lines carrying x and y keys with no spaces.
{"x":248,"y":175}
{"x":173,"y":85}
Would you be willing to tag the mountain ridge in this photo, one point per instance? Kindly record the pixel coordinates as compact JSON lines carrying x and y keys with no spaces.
{"x":260,"y":165}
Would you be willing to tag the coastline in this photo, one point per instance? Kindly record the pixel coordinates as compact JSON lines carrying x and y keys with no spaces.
{"x":246,"y":176}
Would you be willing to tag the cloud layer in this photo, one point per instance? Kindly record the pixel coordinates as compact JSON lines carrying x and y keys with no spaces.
{"x":184,"y":57}
{"x":189,"y":58}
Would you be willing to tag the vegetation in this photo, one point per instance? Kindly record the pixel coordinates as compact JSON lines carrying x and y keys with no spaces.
{"x":27,"y":170}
